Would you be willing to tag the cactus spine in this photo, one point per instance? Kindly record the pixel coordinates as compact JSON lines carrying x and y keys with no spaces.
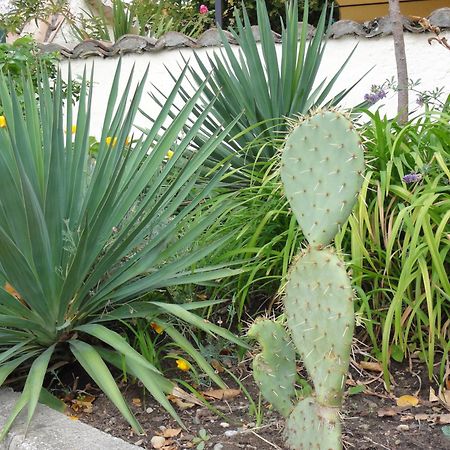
{"x":321,"y":169}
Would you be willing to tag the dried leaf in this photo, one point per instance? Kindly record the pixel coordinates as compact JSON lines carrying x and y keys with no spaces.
{"x":180,"y":403}
{"x":444,"y":396}
{"x":136,"y":401}
{"x":387,"y":412}
{"x":179,"y":393}
{"x":443,"y":419}
{"x":426,"y":417}
{"x":433,"y":397}
{"x":222,"y":394}
{"x":407,"y":400}
{"x":370,"y":365}
{"x":171,"y":432}
{"x":217,"y":366}
{"x":73,"y":417}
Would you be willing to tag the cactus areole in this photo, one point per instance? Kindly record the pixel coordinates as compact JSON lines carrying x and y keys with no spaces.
{"x":321,"y":169}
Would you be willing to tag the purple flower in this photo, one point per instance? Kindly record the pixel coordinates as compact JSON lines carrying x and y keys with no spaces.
{"x":412,"y":177}
{"x":203,"y":9}
{"x":376,"y":95}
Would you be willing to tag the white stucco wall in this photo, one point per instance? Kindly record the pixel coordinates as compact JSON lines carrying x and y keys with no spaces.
{"x":429,"y":63}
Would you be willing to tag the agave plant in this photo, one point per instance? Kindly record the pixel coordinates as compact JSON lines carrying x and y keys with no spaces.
{"x":263,"y":86}
{"x":83,"y":241}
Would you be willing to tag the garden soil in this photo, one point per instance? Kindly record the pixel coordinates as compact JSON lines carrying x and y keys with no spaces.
{"x":372,"y":419}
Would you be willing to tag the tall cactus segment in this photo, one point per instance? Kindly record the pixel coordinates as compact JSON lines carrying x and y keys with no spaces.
{"x":274,"y":368}
{"x":321,"y":169}
{"x":319,"y":310}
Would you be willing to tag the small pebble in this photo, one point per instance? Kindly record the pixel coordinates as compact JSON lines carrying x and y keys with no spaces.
{"x":224,"y":424}
{"x":149,"y":410}
{"x":251,"y":425}
{"x":139,"y":442}
{"x":231,"y":433}
{"x":218,"y":447}
{"x":403,"y":427}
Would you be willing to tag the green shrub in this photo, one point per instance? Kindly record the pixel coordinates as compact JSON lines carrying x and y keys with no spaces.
{"x":22,"y":58}
{"x":85,"y":243}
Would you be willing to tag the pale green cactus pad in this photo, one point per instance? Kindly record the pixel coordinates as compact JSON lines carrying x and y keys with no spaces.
{"x":274,"y":368}
{"x":319,"y":310}
{"x":313,"y":427}
{"x":321,"y":157}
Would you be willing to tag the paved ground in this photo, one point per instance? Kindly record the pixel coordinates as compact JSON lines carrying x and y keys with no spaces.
{"x":50,"y":430}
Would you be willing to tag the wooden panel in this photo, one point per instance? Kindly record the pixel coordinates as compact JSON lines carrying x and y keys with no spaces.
{"x":371,"y":2}
{"x":363,"y":12}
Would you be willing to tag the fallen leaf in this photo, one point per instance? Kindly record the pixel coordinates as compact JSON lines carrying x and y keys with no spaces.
{"x":407,"y":400}
{"x":433,"y":397}
{"x":83,"y":404}
{"x":179,"y":393}
{"x":447,"y":382}
{"x":444,"y":396}
{"x":370,"y":365}
{"x":136,"y":402}
{"x":171,"y":432}
{"x":158,"y":442}
{"x":387,"y":412}
{"x":422,"y":417}
{"x":180,"y":403}
{"x":222,"y":394}
{"x":73,"y":417}
{"x":443,"y":419}
{"x":217,"y":366}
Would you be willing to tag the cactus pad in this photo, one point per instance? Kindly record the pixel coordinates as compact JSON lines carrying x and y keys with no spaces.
{"x":312,"y":426}
{"x":321,"y":157}
{"x":274,"y":368}
{"x":319,"y":309}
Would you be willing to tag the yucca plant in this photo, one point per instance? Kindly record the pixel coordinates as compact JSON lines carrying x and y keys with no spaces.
{"x":263,"y":86}
{"x":83,"y":242}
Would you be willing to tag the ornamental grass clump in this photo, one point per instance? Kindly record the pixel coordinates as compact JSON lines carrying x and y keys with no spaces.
{"x":83,"y":242}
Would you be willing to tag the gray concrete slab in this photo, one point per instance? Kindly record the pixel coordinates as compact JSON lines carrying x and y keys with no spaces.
{"x":51,"y":430}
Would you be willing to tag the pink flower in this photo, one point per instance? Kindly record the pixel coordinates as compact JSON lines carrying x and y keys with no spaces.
{"x":203,"y":9}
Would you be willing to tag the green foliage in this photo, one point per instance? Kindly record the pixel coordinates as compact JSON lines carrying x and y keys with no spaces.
{"x":398,"y":236}
{"x":82,"y":250}
{"x":23,"y":58}
{"x":319,"y":296}
{"x":260,"y":88}
{"x":159,"y":17}
{"x":24,"y":11}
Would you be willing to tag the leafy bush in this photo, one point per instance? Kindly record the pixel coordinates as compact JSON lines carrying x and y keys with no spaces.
{"x":188,"y":17}
{"x":83,"y":241}
{"x":23,"y":57}
{"x":275,"y":9}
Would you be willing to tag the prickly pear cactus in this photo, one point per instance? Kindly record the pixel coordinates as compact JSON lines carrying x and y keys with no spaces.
{"x":274,"y":368}
{"x":322,"y":163}
{"x":321,"y":169}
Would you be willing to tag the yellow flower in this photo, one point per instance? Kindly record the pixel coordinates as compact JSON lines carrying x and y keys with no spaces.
{"x":111,"y":141}
{"x":158,"y":328}
{"x":74,"y":129}
{"x":169,"y":154}
{"x":183,"y":365}
{"x":127,"y":141}
{"x":2,"y":122}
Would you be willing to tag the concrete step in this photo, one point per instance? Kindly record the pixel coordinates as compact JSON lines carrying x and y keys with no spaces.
{"x":51,"y":430}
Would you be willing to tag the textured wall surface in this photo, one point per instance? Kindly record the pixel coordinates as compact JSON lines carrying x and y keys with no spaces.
{"x":429,"y":63}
